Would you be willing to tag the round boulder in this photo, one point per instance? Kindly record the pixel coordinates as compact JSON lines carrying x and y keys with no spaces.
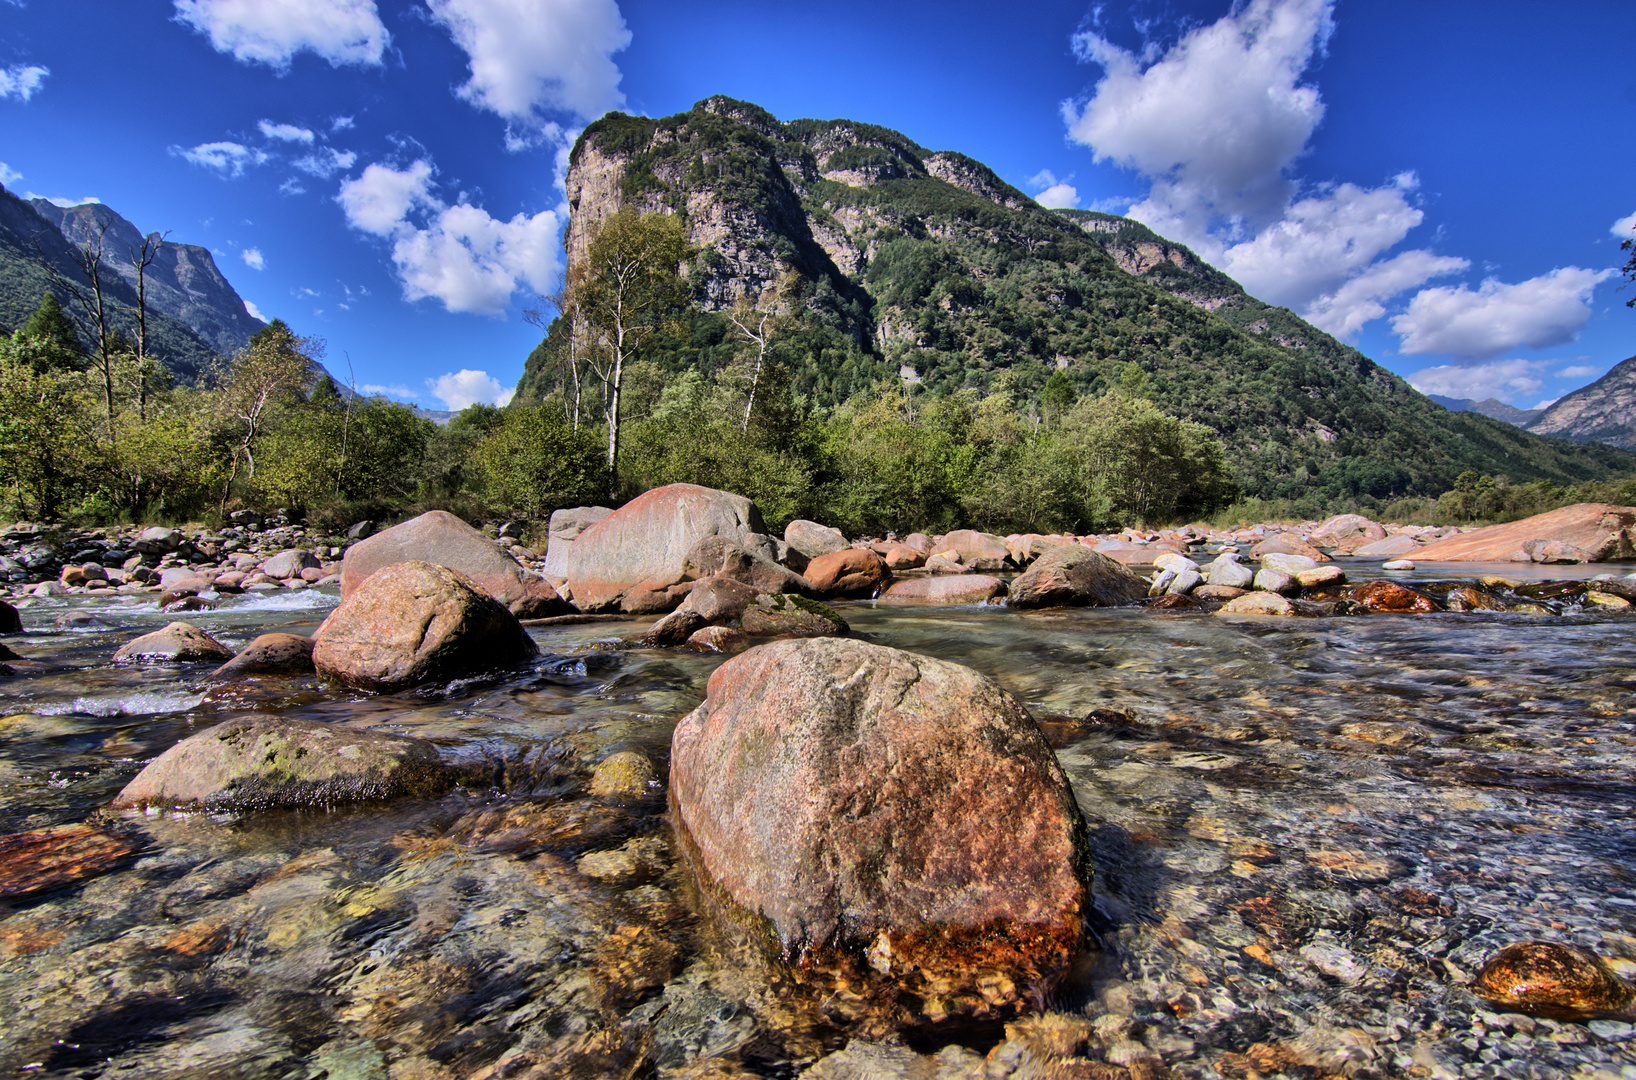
{"x":270,"y":654}
{"x":856,"y":572}
{"x":414,"y":622}
{"x":257,"y":762}
{"x":812,"y":539}
{"x":178,"y":643}
{"x":1075,"y":576}
{"x":444,"y":540}
{"x":977,"y":550}
{"x":1549,"y":979}
{"x":894,"y":825}
{"x":288,"y":564}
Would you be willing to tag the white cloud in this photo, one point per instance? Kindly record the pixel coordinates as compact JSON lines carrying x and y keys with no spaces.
{"x":285,"y":132}
{"x":253,"y":258}
{"x":1547,"y":403}
{"x":465,"y":387}
{"x":292,"y":186}
{"x":1540,"y":312}
{"x":58,"y":200}
{"x":1053,"y":194}
{"x":1498,"y":379}
{"x":20,"y":81}
{"x":341,"y":123}
{"x":403,"y":393}
{"x":380,"y":199}
{"x":267,"y":32}
{"x":1216,"y":124}
{"x":1579,"y":371}
{"x":326,"y":162}
{"x":255,"y":312}
{"x":1624,"y":227}
{"x":529,"y":56}
{"x":9,"y":175}
{"x":1362,"y":298}
{"x":227,"y":158}
{"x":458,"y":254}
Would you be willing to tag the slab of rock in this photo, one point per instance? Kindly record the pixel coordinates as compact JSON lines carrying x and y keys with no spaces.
{"x":902,"y":557}
{"x":782,"y":615}
{"x":856,"y":572}
{"x":415,"y":622}
{"x":563,"y":530}
{"x":1347,"y":532}
{"x":812,"y":539}
{"x":1388,"y":596}
{"x":1389,"y":548}
{"x":270,"y":654}
{"x":896,"y":824}
{"x":1258,"y":603}
{"x":717,"y":556}
{"x":977,"y":550}
{"x":1287,"y":543}
{"x":1075,"y":577}
{"x":10,"y":621}
{"x":1603,"y":531}
{"x":286,"y":564}
{"x":442,"y":539}
{"x":259,"y":762}
{"x":43,"y":859}
{"x":647,"y":540}
{"x":178,"y":643}
{"x":954,"y":589}
{"x":1549,"y":979}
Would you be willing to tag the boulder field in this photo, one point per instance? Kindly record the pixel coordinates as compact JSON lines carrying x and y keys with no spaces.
{"x":842,"y":801}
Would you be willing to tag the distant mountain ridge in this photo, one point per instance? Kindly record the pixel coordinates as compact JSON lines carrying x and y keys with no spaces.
{"x":1494,"y":407}
{"x":183,"y":280}
{"x":1604,"y":411}
{"x":926,"y":262}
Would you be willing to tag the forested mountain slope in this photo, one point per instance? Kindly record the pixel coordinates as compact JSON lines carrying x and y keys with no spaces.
{"x":926,"y":263}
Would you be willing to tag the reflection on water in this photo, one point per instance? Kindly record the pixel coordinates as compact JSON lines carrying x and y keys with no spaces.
{"x":1308,"y":833}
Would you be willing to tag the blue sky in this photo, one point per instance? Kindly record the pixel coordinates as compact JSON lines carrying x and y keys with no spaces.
{"x":1442,"y":184}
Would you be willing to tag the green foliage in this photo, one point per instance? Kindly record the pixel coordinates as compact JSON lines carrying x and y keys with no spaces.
{"x":531,"y":463}
{"x":57,"y":342}
{"x":46,"y":446}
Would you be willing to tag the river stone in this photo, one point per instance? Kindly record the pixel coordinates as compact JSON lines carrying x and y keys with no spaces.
{"x":782,"y":615}
{"x":954,"y":589}
{"x":1606,"y":601}
{"x":1258,"y":603}
{"x":157,"y":541}
{"x":1287,"y":564}
{"x":812,"y":539}
{"x":624,"y":776}
{"x":10,"y":621}
{"x":1319,"y":576}
{"x":1075,"y":577}
{"x":902,"y":557}
{"x":1275,"y":581}
{"x":717,"y":556}
{"x":1553,"y":980}
{"x":1398,"y":564}
{"x":1602,"y":531}
{"x":1218,"y":592}
{"x":1161,"y":582}
{"x":718,"y":639}
{"x":178,"y":643}
{"x":1128,"y":554}
{"x":920,"y":542}
{"x":1347,"y":532}
{"x":286,"y":564}
{"x":1388,"y":596}
{"x":977,"y":550}
{"x":855,"y":572}
{"x":440,"y":538}
{"x":643,"y":545}
{"x":1170,"y":560}
{"x":1470,"y":598}
{"x":895,"y":824}
{"x":270,"y":654}
{"x":1389,"y":548}
{"x":563,"y":530}
{"x":414,"y":622}
{"x":1286,"y":543}
{"x":33,"y":862}
{"x":714,"y":600}
{"x":1184,"y":583}
{"x":940,"y":564}
{"x":1228,"y":571}
{"x":258,"y":762}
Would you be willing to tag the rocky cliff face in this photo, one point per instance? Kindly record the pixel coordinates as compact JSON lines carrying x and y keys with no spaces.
{"x":183,"y":280}
{"x":1604,"y":411}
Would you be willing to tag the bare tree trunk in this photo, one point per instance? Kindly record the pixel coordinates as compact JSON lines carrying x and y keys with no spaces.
{"x":141,"y":260}
{"x":759,"y":336}
{"x":89,"y":258}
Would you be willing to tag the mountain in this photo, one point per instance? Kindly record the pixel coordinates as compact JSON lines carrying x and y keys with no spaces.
{"x":1604,"y":411}
{"x":926,"y":265}
{"x":1494,"y":407}
{"x":182,"y":281}
{"x":29,"y":243}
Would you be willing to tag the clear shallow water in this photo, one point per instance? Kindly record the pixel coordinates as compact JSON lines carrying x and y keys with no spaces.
{"x":1308,"y":833}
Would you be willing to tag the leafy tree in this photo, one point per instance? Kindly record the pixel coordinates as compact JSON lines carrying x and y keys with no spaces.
{"x":533,"y":462}
{"x":57,"y":342}
{"x":271,"y":371}
{"x":45,"y":438}
{"x":626,"y":286}
{"x":1057,"y":397}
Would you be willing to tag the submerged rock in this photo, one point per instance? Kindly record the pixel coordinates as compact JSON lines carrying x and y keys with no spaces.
{"x":1391,"y":597}
{"x":33,"y":862}
{"x":1549,"y":979}
{"x":624,"y":776}
{"x":1075,"y":577}
{"x":895,"y":825}
{"x":270,"y":654}
{"x":178,"y":643}
{"x":1470,"y":598}
{"x":414,"y":622}
{"x":1258,"y":603}
{"x":258,"y":762}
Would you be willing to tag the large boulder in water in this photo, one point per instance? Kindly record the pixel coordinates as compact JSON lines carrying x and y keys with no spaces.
{"x":563,"y":530}
{"x":892,"y":824}
{"x":415,"y":622}
{"x":812,"y":539}
{"x":1603,"y":532}
{"x":856,"y":572}
{"x":977,"y":550}
{"x":442,"y":539}
{"x":256,"y":762}
{"x":717,"y":556}
{"x":270,"y":654}
{"x":953,"y":589}
{"x":178,"y":643}
{"x":1075,"y":577}
{"x":642,"y":547}
{"x":1347,"y":532}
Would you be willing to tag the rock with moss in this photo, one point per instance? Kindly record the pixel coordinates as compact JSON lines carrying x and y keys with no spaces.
{"x":785,"y":615}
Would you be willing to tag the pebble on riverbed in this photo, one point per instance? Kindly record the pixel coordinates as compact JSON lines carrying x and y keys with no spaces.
{"x":1546,"y":978}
